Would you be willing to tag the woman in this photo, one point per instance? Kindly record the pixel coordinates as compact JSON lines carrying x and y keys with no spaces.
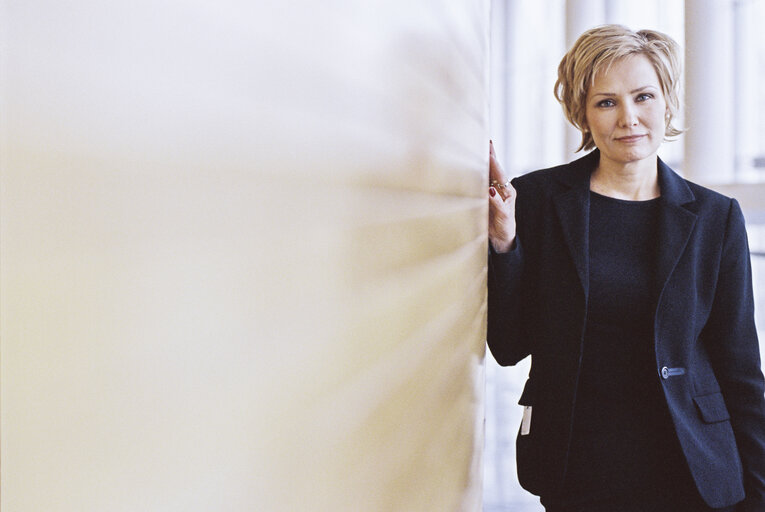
{"x":630,"y":287}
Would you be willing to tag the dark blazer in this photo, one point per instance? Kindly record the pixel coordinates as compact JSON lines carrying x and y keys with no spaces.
{"x":707,"y":353}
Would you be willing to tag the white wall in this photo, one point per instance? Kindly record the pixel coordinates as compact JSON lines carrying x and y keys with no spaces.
{"x":243,"y":255}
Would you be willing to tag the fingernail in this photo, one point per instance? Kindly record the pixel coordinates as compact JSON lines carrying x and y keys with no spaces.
{"x":492,"y":191}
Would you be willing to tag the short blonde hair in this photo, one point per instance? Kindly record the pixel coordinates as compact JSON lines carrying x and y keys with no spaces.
{"x":597,"y":49}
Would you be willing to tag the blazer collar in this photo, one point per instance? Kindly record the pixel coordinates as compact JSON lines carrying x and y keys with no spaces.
{"x":573,"y":208}
{"x":674,"y":189}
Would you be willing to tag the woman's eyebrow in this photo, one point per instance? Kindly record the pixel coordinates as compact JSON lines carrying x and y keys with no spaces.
{"x":633,"y":91}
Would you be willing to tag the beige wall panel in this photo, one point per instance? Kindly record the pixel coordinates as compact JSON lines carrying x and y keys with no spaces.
{"x":243,"y":255}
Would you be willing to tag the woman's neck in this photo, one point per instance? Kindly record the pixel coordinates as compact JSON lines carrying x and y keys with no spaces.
{"x":637,"y":181}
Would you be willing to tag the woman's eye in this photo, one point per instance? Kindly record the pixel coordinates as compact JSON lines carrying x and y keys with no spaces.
{"x":606,"y":103}
{"x":644,"y":96}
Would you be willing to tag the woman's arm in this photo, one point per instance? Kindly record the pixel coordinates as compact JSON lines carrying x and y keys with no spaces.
{"x":504,"y":333}
{"x":505,"y":270}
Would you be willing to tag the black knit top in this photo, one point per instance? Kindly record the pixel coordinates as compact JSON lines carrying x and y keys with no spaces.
{"x":623,"y":443}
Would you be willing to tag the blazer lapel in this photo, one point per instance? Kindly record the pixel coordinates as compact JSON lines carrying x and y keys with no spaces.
{"x":573,"y":209}
{"x":675,"y":223}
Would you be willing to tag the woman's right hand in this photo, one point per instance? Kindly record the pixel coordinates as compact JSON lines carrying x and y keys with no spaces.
{"x":501,"y":206}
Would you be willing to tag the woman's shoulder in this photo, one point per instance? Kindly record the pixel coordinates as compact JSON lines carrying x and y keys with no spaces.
{"x":706,"y":198}
{"x":683,"y":191}
{"x":713,"y":209}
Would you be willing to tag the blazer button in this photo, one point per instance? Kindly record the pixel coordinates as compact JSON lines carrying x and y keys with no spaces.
{"x":665,"y":373}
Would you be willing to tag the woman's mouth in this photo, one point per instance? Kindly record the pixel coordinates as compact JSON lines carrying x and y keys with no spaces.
{"x":630,"y":138}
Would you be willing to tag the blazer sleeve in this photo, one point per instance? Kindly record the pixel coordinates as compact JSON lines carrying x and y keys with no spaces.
{"x":731,"y":337}
{"x":504,"y":328}
{"x":507,"y":272}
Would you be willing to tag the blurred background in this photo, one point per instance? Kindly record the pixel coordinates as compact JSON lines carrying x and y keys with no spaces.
{"x":724,"y":146}
{"x":243,"y":258}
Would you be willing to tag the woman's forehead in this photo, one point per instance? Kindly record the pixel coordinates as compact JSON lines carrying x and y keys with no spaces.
{"x":627,"y":73}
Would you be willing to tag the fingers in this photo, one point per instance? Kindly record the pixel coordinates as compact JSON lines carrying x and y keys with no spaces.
{"x":496,"y":175}
{"x":501,"y":205}
{"x":495,"y":170}
{"x":495,"y":198}
{"x":501,"y":220}
{"x":504,"y":190}
{"x":506,"y":195}
{"x":502,"y":208}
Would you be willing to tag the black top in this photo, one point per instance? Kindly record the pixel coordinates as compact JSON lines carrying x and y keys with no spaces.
{"x":622,"y":441}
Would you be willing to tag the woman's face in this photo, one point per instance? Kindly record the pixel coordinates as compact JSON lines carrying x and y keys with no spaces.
{"x":626,"y":111}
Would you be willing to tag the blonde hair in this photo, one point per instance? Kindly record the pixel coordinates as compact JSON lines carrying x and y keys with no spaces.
{"x":597,"y":49}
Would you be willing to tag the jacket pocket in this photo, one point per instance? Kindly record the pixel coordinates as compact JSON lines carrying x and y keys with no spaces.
{"x":712,"y":408}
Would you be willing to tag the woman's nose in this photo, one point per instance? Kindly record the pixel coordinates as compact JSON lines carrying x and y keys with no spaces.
{"x":628,"y":116}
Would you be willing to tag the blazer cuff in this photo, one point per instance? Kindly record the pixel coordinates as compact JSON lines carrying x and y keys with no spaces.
{"x":505,"y":267}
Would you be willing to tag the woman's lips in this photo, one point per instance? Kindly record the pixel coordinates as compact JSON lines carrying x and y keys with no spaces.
{"x":630,"y":138}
